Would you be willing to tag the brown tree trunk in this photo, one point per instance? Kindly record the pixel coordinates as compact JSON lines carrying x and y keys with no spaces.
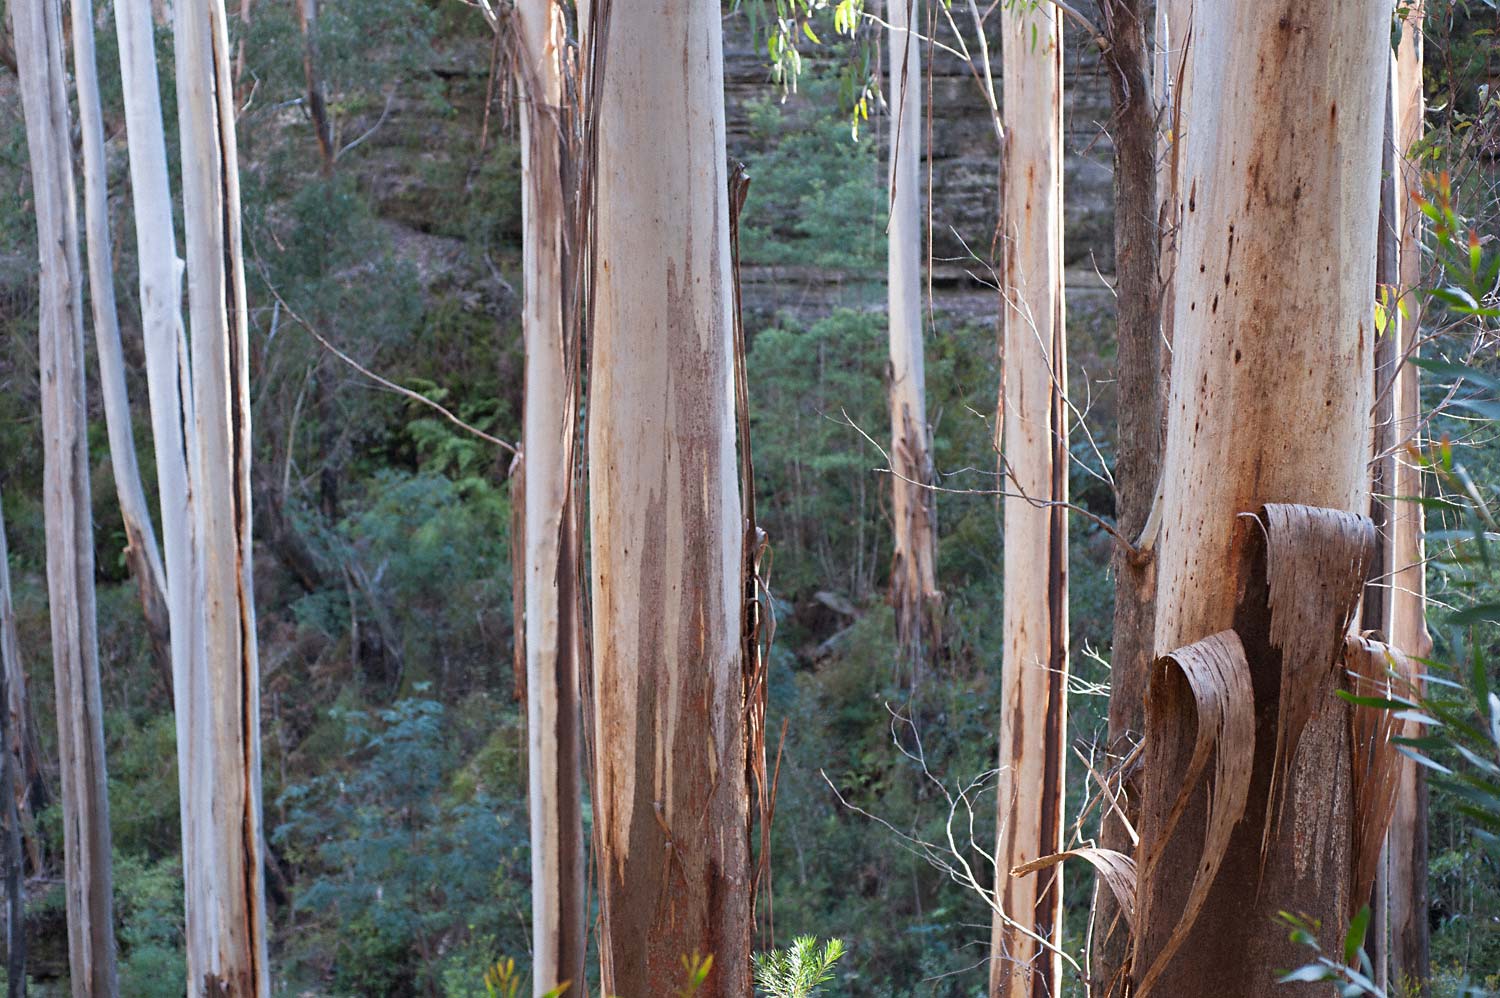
{"x":87,"y":866}
{"x":553,"y":613}
{"x":1269,"y":399}
{"x":1139,"y":387}
{"x":1407,"y":845}
{"x":317,"y":100}
{"x":670,"y":797}
{"x":1033,"y":690}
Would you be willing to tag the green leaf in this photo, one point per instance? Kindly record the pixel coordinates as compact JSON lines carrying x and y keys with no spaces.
{"x":1354,"y":939}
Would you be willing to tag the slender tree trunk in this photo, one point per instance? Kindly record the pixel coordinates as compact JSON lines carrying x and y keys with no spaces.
{"x":227,"y":931}
{"x":30,"y":785}
{"x":174,"y":439}
{"x":1269,"y":399}
{"x":1407,"y":844}
{"x":670,"y":797}
{"x":553,"y":611}
{"x":70,"y":535}
{"x":141,"y":551}
{"x":914,"y":589}
{"x":1033,"y":690}
{"x":1140,"y":387}
{"x":1377,"y":604}
{"x":12,"y":790}
{"x":1175,"y":43}
{"x":317,"y":100}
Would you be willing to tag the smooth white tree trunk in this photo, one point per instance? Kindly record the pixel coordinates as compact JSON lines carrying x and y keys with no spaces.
{"x":553,"y":635}
{"x":914,"y":589}
{"x":227,"y":934}
{"x":670,"y":793}
{"x":87,"y":868}
{"x":173,"y":437}
{"x":1033,"y":683}
{"x":141,"y":550}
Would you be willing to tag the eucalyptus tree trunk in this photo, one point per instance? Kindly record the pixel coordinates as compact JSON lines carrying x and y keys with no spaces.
{"x":670,"y":791}
{"x":1407,"y":843}
{"x":1269,"y":403}
{"x":1140,"y":387}
{"x":914,"y":589}
{"x":12,"y":790}
{"x":141,"y":551}
{"x":87,"y":870}
{"x":553,"y":638}
{"x":20,"y":742}
{"x":1033,"y":684}
{"x":226,"y":930}
{"x":317,"y":98}
{"x":174,"y":441}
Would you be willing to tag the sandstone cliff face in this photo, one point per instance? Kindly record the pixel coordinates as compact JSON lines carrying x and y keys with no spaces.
{"x":964,"y":188}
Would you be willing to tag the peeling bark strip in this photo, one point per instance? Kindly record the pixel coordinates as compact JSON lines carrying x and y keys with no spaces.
{"x":914,"y":591}
{"x":1115,"y":868}
{"x":1286,"y":750}
{"x":670,"y":796}
{"x":87,"y":867}
{"x":222,"y":810}
{"x":1204,"y":688}
{"x":548,"y":628}
{"x":1033,"y":697}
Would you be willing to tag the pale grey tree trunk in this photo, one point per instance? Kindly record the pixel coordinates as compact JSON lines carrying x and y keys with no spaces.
{"x":914,"y":589}
{"x":228,"y":934}
{"x":141,"y":551}
{"x":66,"y":501}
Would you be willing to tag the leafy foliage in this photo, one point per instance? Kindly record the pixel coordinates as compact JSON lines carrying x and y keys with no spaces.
{"x":800,"y":970}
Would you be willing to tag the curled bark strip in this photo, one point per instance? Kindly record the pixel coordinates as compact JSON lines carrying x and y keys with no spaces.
{"x":1375,"y":669}
{"x":1316,"y":561}
{"x":1115,"y":868}
{"x":1216,"y":675}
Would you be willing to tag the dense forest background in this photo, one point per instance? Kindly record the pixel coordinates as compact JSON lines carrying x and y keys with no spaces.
{"x":393,"y":741}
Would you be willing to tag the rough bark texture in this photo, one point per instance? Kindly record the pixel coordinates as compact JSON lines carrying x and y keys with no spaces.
{"x":11,"y":790}
{"x":1269,"y":395}
{"x":66,"y":501}
{"x":670,"y":799}
{"x":1407,"y":845}
{"x":29,"y":786}
{"x":1141,"y":388}
{"x":1033,"y":696}
{"x":552,"y":614}
{"x":141,"y":551}
{"x":226,"y":913}
{"x":914,"y":591}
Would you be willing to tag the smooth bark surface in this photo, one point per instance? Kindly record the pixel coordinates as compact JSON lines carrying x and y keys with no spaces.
{"x":1407,"y":844}
{"x":141,"y":551}
{"x":87,"y":865}
{"x":226,"y":914}
{"x":670,"y":797}
{"x":173,"y":437}
{"x":914,"y":591}
{"x":1269,"y":399}
{"x":552,"y":608}
{"x":1033,"y":683}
